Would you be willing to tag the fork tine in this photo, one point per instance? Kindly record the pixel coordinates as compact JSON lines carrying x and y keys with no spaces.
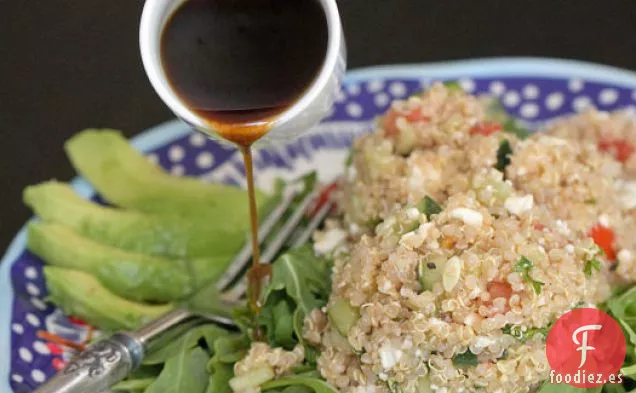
{"x":236,"y":292}
{"x":316,"y":220}
{"x":243,"y":257}
{"x":286,"y":231}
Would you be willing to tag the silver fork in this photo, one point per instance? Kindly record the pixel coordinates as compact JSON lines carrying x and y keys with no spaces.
{"x":109,"y":361}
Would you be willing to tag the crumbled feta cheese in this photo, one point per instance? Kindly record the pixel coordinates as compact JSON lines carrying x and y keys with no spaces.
{"x":603,"y":219}
{"x":626,"y":192}
{"x":562,"y":227}
{"x":389,"y":355}
{"x":468,"y":216}
{"x":553,"y":141}
{"x":519,"y":205}
{"x":386,"y":286}
{"x":412,"y":213}
{"x":521,"y":171}
{"x":569,"y":249}
{"x":625,"y":255}
{"x":383,"y":376}
{"x":354,"y":228}
{"x":329,"y":240}
{"x":411,"y":240}
{"x":364,"y":389}
{"x":416,"y":180}
{"x":482,"y":342}
{"x":414,"y":239}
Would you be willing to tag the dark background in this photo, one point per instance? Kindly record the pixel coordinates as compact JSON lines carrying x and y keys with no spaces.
{"x":67,"y":65}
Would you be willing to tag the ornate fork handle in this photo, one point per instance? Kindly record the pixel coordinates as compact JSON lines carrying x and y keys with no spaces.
{"x":98,"y":367}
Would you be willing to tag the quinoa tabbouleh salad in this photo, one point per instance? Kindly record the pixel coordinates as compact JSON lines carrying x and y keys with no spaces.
{"x":458,"y":240}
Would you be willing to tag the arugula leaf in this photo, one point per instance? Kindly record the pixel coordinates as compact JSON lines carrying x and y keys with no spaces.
{"x":184,"y":372}
{"x":623,"y":306}
{"x":316,"y":384}
{"x":564,"y":388}
{"x":591,"y":265}
{"x":311,"y":355}
{"x":184,"y":342}
{"x":230,"y":348}
{"x":221,"y":375}
{"x":614,"y":388}
{"x":630,"y":351}
{"x":133,"y":384}
{"x":300,"y":283}
{"x":429,"y":207}
{"x":465,"y":359}
{"x":503,"y":155}
{"x":524,"y":266}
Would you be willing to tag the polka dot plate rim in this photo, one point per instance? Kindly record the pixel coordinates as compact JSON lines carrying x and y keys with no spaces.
{"x":534,"y":89}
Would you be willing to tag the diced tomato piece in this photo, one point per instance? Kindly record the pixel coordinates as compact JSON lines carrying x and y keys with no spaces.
{"x":54,"y":349}
{"x":323,"y":198}
{"x":58,"y":363}
{"x":620,"y":148}
{"x":390,"y":126}
{"x":499,"y":289}
{"x":604,"y":237}
{"x":416,"y":115}
{"x":539,"y":227}
{"x":77,"y":321}
{"x":623,"y":150}
{"x":485,"y":129}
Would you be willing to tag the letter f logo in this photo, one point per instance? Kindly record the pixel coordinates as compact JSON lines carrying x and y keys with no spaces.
{"x":583,"y":344}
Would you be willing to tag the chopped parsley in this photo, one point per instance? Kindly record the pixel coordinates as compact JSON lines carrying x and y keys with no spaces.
{"x":465,"y":359}
{"x":590,"y":201}
{"x":429,"y":207}
{"x":503,"y":155}
{"x":524,"y":266}
{"x":591,"y":265}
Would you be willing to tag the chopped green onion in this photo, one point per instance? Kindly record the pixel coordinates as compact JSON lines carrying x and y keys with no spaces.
{"x":429,"y":207}
{"x":523,"y":336}
{"x":524,"y":266}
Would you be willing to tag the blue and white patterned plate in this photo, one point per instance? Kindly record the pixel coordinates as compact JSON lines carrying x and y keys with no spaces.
{"x":534,"y":90}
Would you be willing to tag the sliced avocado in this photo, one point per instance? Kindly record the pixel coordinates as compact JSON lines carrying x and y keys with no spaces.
{"x":343,"y":315}
{"x":430,"y":271}
{"x":127,"y":179}
{"x":145,"y":233}
{"x":80,"y":294}
{"x":130,"y":275}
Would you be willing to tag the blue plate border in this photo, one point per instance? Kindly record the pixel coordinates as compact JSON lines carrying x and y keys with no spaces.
{"x":166,"y":132}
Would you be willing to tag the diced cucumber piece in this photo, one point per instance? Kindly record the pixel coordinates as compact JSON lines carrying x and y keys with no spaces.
{"x":80,"y":294}
{"x":431,"y":271}
{"x":252,"y":379}
{"x":343,"y":315}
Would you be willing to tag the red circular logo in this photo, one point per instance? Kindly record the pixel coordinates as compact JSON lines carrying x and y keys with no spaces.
{"x":585,"y":348}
